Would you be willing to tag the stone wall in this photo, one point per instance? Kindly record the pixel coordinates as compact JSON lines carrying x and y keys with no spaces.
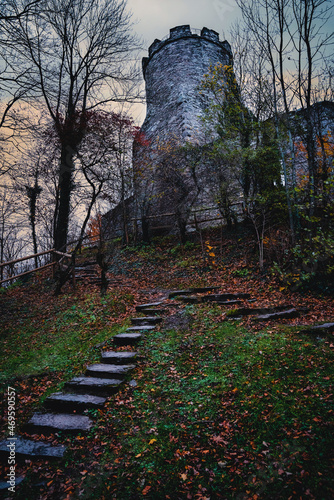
{"x":173,"y":72}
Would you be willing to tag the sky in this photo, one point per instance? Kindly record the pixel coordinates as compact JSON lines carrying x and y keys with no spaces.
{"x":154,"y":18}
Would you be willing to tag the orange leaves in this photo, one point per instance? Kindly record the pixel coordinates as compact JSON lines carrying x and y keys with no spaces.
{"x":146,"y":490}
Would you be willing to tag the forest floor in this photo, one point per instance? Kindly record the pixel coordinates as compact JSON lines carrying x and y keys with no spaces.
{"x":222,"y":408}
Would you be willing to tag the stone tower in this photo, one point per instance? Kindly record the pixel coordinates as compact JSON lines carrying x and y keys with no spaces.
{"x":173,"y":72}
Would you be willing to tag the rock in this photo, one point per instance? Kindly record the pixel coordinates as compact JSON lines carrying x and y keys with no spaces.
{"x":121,"y":357}
{"x":127,"y":338}
{"x":55,"y":422}
{"x":140,"y":307}
{"x":147,"y":320}
{"x":108,"y":370}
{"x":93,"y":385}
{"x":133,"y":383}
{"x":290,"y":313}
{"x":26,"y":448}
{"x":78,"y":403}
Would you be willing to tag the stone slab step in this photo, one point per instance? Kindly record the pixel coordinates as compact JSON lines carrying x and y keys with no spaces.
{"x":225,"y":296}
{"x":177,"y":293}
{"x":55,"y":422}
{"x":290,"y":313}
{"x":93,"y":385}
{"x":140,"y":328}
{"x":248,"y":311}
{"x":192,"y":299}
{"x":229,"y":302}
{"x":63,"y":402}
{"x":147,"y":320}
{"x":122,"y":357}
{"x":140,"y":307}
{"x":26,"y":448}
{"x":127,"y":338}
{"x":153,"y":311}
{"x":109,"y":371}
{"x":4,"y":485}
{"x":319,"y":329}
{"x":203,"y":289}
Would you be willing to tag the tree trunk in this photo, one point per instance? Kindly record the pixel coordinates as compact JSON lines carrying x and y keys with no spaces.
{"x":65,"y":189}
{"x":145,"y":229}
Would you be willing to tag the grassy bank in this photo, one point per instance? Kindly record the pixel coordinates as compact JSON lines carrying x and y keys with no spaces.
{"x":221,"y":408}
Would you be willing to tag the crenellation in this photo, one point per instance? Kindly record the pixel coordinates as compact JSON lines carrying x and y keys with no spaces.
{"x":179,"y":31}
{"x":210,"y":34}
{"x":156,"y":45}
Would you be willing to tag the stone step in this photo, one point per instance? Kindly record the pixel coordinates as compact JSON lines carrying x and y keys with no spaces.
{"x":225,"y":296}
{"x":231,"y":302}
{"x":192,"y":299}
{"x":78,"y":403}
{"x":138,"y":329}
{"x":140,"y":307}
{"x":92,"y":385}
{"x":86,"y":272}
{"x":319,"y":329}
{"x":109,"y":371}
{"x":153,"y":311}
{"x":26,"y":448}
{"x":177,"y":293}
{"x":122,"y":357}
{"x":146,"y":320}
{"x":4,"y":485}
{"x":290,"y":313}
{"x":248,"y":311}
{"x":127,"y":338}
{"x":203,"y":289}
{"x":49,"y":423}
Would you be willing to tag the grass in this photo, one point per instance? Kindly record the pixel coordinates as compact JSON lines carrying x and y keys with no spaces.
{"x":222,"y":412}
{"x":55,"y":336}
{"x":219,"y":412}
{"x":222,"y":408}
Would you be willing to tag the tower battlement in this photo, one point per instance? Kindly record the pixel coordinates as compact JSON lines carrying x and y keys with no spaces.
{"x":181,"y":32}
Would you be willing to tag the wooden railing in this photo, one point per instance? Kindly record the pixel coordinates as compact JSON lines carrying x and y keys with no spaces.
{"x":52,"y":264}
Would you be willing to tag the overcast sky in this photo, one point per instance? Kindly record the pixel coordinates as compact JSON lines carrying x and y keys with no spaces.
{"x":154,"y":18}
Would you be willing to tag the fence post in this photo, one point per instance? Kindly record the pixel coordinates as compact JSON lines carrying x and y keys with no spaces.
{"x":73,"y":271}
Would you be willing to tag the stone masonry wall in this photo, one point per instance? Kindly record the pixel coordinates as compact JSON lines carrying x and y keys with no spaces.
{"x":173,"y":72}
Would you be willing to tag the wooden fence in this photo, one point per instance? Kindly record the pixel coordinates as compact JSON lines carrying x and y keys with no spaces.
{"x":52,"y":264}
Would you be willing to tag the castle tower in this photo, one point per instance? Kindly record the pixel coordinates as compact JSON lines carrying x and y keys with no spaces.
{"x":173,"y":72}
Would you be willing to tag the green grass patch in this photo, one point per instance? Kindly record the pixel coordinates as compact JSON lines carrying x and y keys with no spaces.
{"x":58,"y":337}
{"x":221,"y":412}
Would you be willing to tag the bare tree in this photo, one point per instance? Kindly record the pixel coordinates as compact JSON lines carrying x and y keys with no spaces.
{"x":13,"y":83}
{"x":76,"y":55}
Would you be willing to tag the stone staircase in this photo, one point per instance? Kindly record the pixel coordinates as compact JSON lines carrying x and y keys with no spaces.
{"x":66,"y":411}
{"x":87,"y":273}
